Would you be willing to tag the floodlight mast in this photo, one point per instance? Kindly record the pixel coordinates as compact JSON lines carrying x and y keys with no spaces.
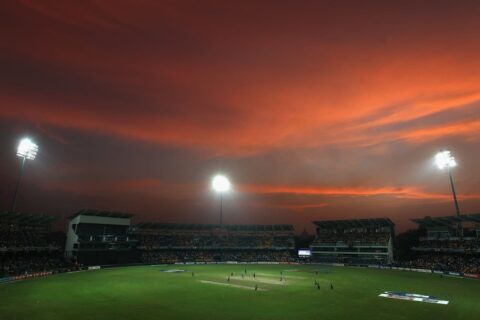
{"x":27,"y":149}
{"x":444,"y":159}
{"x":221,"y":184}
{"x":457,"y":208}
{"x":221,"y":208}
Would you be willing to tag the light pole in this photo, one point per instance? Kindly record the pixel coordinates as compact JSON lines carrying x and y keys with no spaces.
{"x":444,"y":159}
{"x":220,"y":184}
{"x":26,"y":150}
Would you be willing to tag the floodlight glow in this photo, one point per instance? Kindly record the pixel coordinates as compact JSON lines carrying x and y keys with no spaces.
{"x":220,"y":183}
{"x":27,"y":149}
{"x":444,"y":159}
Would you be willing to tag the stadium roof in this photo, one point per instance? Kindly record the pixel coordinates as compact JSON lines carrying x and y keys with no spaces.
{"x":199,"y":227}
{"x":355,"y":223}
{"x":26,"y":218}
{"x":447,"y":221}
{"x":101,"y":213}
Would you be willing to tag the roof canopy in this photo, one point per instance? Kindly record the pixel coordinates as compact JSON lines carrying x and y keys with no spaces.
{"x":101,"y":213}
{"x":200,"y":227}
{"x":354,"y":223}
{"x":448,"y":221}
{"x":26,"y":218}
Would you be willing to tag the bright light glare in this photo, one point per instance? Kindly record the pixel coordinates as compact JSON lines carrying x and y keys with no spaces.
{"x":27,"y":149}
{"x":220,"y":183}
{"x":444,"y":159}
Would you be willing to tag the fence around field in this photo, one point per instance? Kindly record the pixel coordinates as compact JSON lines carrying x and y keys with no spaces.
{"x":374,"y":266}
{"x":24,"y":276}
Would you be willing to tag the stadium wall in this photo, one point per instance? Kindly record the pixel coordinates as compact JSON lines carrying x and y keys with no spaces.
{"x":25,"y":276}
{"x":448,"y":273}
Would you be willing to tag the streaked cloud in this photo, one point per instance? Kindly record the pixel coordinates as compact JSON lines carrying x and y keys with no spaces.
{"x":311,"y":98}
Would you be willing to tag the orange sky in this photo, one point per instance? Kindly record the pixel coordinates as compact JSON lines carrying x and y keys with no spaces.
{"x":315,"y":109}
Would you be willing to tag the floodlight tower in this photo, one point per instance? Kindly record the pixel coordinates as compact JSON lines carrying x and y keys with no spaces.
{"x":27,"y":149}
{"x":444,"y":159}
{"x":220,"y":184}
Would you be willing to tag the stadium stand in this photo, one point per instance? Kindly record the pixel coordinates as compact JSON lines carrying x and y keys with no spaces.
{"x":451,"y":234}
{"x":205,"y":256}
{"x":100,"y":237}
{"x":103,"y":237}
{"x":28,"y":246}
{"x":162,"y":243}
{"x":450,"y":243}
{"x":358,"y":241}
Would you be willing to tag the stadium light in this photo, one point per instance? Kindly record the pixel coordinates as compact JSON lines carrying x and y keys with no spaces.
{"x":221,"y":185}
{"x":27,"y":149}
{"x":444,"y":159}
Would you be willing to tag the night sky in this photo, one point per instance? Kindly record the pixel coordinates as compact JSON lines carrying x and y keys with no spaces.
{"x":313,"y":109}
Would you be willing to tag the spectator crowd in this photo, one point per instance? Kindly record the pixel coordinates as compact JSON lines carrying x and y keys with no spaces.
{"x":215,"y":245}
{"x":352,"y":239}
{"x":27,"y":246}
{"x":173,"y":256}
{"x":29,"y":263}
{"x":444,"y":262}
{"x":31,"y":248}
{"x":211,"y":240}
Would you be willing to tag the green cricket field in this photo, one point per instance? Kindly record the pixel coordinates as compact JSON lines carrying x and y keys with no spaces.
{"x":238,"y":291}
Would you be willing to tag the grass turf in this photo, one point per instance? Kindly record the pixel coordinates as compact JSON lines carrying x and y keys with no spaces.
{"x":147,"y":293}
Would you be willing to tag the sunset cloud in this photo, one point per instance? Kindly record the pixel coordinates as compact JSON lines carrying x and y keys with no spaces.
{"x":404,"y":193}
{"x":232,"y":104}
{"x":310,"y":98}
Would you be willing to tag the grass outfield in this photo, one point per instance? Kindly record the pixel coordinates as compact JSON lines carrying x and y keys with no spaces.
{"x":147,"y":293}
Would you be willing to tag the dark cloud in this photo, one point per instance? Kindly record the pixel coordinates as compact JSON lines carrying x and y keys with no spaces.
{"x":314,"y":108}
